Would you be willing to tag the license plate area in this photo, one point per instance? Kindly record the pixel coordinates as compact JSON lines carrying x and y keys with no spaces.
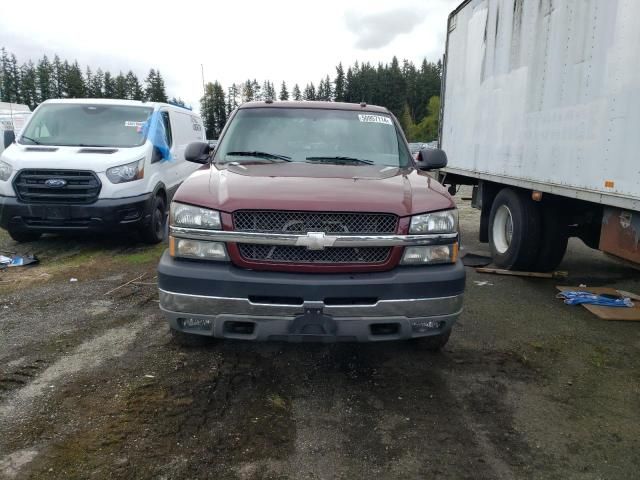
{"x":313,"y":323}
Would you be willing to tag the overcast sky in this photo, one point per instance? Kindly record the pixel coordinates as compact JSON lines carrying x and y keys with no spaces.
{"x":295,"y":41}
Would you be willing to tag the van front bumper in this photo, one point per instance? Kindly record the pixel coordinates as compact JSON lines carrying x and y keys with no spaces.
{"x":220,"y":300}
{"x":103,"y":215}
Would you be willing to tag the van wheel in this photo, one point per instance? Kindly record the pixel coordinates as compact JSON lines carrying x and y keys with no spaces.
{"x":514,"y":230}
{"x":433,"y":343}
{"x":154,"y":231}
{"x":554,"y":238}
{"x":22,"y":236}
{"x":190,"y":339}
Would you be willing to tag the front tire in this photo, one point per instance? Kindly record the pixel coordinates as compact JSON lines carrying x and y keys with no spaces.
{"x":22,"y":236}
{"x":154,"y":232}
{"x":514,"y":230}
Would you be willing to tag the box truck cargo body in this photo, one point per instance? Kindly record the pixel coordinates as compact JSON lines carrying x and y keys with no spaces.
{"x":541,"y":112}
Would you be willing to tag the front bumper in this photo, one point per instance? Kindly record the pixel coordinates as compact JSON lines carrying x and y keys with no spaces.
{"x":102,"y":215}
{"x":220,"y":300}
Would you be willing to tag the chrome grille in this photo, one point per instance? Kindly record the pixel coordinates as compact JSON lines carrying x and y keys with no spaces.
{"x":80,"y":186}
{"x":304,"y":222}
{"x":286,"y":254}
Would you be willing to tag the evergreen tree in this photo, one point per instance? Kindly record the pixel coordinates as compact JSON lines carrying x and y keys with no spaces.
{"x":284,"y":93}
{"x":109,"y":86}
{"x":348,"y":88}
{"x":59,"y":78}
{"x":87,"y":81}
{"x":297,"y":95}
{"x":10,"y":82}
{"x":28,"y":85}
{"x":324,"y":90}
{"x":121,"y":88}
{"x":213,"y":109}
{"x":310,"y":92}
{"x":257,"y":91}
{"x":339,"y":82}
{"x":46,"y":85}
{"x":155,"y":89}
{"x":177,"y":101}
{"x":233,"y":98}
{"x":134,"y":90}
{"x":248,"y":93}
{"x":76,"y":87}
{"x":94,"y":89}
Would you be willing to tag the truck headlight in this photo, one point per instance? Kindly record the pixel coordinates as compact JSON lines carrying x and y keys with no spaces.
{"x":430,"y":255}
{"x":437,"y":222}
{"x":5,"y":171}
{"x":188,"y":216}
{"x":197,"y":249}
{"x":126,"y":173}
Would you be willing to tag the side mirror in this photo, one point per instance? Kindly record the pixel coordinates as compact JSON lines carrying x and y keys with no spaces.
{"x":197,"y":152}
{"x":8,"y":138}
{"x":431,"y":159}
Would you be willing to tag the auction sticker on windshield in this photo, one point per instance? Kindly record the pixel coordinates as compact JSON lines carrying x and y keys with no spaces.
{"x":375,"y":119}
{"x":133,"y":124}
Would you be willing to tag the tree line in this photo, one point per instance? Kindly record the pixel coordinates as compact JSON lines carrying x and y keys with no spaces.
{"x":411,"y":93}
{"x":32,"y":83}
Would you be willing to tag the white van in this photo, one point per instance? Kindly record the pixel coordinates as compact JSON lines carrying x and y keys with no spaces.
{"x":96,"y":165}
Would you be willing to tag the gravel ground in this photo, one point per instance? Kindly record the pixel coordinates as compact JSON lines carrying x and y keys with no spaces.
{"x":91,"y":386}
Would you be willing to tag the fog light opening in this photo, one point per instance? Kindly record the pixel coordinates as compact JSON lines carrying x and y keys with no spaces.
{"x":239,"y":328}
{"x":195,"y":323}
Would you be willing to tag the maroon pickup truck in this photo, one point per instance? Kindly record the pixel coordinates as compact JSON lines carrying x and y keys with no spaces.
{"x":312,"y":221}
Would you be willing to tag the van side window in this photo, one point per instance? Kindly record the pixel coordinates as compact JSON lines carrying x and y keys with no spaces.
{"x":167,"y":128}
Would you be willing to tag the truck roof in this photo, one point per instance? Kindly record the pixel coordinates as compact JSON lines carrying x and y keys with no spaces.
{"x":316,"y":105}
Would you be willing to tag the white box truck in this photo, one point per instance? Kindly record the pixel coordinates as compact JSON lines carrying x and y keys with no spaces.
{"x":541,"y":113}
{"x":13,"y":116}
{"x":96,"y":165}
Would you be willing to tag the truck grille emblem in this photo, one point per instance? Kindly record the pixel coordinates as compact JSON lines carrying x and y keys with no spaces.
{"x":55,"y":182}
{"x":315,"y":241}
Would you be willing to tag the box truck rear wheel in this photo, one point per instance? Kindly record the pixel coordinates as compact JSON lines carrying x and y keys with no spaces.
{"x":514,"y":230}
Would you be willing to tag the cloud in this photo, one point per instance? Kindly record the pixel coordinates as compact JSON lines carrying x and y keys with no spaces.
{"x":378,"y":30}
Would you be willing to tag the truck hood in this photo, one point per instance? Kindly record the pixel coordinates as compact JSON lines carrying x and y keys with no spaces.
{"x":70,"y":158}
{"x":314,"y":187}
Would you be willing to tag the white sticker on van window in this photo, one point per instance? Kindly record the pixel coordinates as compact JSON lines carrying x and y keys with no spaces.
{"x":133,"y":124}
{"x":375,"y":119}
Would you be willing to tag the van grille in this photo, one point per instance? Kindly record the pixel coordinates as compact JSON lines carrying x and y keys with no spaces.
{"x":80,"y":186}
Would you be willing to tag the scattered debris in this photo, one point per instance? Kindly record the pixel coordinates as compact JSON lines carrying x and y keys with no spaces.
{"x":475,"y":260}
{"x":609,"y":312}
{"x":580,"y":297}
{"x":125,"y":284}
{"x":483,"y":283}
{"x":150,"y":376}
{"x":17,"y":260}
{"x":498,"y":271}
{"x":73,"y":279}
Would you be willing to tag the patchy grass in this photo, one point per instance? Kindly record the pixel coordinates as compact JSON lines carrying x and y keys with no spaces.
{"x":147,"y":255}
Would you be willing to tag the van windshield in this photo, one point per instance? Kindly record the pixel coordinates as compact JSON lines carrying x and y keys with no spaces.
{"x":85,"y":125}
{"x":265,"y":135}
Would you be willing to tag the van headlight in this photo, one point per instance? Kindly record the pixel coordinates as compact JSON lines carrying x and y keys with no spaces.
{"x":189,"y":216}
{"x":5,"y":171}
{"x":126,"y":173}
{"x":437,"y":222}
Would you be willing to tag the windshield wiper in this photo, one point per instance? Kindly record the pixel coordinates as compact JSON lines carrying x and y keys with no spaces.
{"x":265,"y":155}
{"x":30,"y":139}
{"x":342,"y":160}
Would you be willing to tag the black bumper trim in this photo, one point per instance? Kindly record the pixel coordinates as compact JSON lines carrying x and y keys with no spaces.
{"x":104,"y":214}
{"x":226,"y":280}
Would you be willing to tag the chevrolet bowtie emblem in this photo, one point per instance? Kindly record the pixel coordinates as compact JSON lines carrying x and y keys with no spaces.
{"x":315,"y":241}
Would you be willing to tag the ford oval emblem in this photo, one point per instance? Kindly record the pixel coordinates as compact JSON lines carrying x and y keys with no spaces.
{"x":55,"y":182}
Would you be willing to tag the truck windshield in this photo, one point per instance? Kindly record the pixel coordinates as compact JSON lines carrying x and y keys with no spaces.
{"x":261,"y":135}
{"x":87,"y":125}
